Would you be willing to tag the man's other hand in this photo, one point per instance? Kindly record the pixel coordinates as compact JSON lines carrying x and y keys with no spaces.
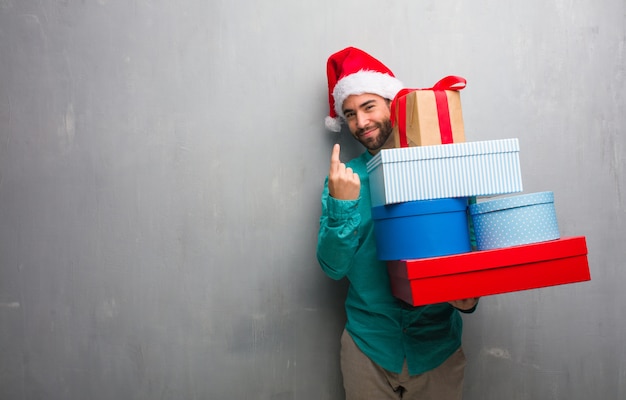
{"x":465,"y":304}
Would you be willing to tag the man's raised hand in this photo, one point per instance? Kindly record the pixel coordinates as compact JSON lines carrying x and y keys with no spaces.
{"x":343,"y":183}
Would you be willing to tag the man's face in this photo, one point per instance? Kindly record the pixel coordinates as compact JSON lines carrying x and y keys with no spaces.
{"x":368,"y":116}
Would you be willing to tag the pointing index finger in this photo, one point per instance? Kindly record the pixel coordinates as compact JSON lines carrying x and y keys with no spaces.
{"x":334,"y":158}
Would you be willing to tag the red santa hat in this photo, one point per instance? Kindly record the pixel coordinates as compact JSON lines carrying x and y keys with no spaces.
{"x":353,"y":71}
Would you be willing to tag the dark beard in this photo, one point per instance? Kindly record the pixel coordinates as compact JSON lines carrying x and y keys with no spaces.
{"x":385,"y":128}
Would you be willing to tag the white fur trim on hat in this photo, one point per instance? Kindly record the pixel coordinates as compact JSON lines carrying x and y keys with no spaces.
{"x":362,"y":82}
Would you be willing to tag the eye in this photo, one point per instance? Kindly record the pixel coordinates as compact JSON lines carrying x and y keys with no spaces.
{"x":349,"y":115}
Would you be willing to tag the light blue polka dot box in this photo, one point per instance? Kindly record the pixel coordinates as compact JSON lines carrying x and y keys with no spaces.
{"x":515,"y":220}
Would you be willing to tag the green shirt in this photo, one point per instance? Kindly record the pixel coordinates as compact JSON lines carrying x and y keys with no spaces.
{"x":386,"y":329}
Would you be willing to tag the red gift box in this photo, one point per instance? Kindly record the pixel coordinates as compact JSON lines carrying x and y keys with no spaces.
{"x":481,"y":273}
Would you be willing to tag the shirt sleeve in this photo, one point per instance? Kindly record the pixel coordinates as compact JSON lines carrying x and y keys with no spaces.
{"x":338,"y":237}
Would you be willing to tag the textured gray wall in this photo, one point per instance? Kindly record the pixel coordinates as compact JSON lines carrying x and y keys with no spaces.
{"x":160,"y":171}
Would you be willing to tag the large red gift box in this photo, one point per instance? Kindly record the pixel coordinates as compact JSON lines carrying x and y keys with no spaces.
{"x":481,"y":273}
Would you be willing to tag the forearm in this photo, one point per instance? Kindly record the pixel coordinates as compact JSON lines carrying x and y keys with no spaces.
{"x":338,"y":237}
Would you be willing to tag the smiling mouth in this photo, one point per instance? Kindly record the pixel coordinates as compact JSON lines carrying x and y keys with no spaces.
{"x":367,"y":132}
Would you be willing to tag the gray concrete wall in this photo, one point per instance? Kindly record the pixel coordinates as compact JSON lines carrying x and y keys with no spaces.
{"x":160,"y":171}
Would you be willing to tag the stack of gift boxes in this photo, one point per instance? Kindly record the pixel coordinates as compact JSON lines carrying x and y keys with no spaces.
{"x":438,"y":227}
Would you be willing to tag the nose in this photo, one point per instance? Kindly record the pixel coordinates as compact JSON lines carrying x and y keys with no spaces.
{"x":361,"y":120}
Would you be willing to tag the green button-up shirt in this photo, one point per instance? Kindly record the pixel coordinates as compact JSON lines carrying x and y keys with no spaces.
{"x":386,"y":329}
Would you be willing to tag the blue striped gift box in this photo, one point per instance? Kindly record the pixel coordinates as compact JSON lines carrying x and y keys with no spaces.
{"x":482,"y":168}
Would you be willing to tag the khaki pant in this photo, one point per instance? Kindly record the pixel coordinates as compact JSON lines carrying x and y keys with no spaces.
{"x":363,"y":379}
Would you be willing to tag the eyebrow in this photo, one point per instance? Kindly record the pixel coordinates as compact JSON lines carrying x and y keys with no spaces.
{"x":364,"y":104}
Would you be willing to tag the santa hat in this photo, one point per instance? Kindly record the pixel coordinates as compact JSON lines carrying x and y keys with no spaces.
{"x":353,"y":71}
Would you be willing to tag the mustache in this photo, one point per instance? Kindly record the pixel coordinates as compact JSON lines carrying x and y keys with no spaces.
{"x":361,"y":131}
{"x":382,"y":126}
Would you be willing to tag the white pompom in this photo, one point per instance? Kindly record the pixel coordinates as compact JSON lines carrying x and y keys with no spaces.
{"x":333,"y":124}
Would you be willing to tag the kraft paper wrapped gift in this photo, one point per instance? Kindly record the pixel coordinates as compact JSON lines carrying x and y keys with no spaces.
{"x":484,"y":168}
{"x":489,"y":272}
{"x":425,"y":117}
{"x":514,"y":220}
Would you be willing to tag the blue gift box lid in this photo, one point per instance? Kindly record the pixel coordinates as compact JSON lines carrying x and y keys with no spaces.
{"x":511,"y":202}
{"x":419,"y":207}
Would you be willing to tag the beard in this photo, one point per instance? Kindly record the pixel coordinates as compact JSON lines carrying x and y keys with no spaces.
{"x":374,"y":143}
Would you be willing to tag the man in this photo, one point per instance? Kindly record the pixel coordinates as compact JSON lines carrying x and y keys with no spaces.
{"x":389,"y":349}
